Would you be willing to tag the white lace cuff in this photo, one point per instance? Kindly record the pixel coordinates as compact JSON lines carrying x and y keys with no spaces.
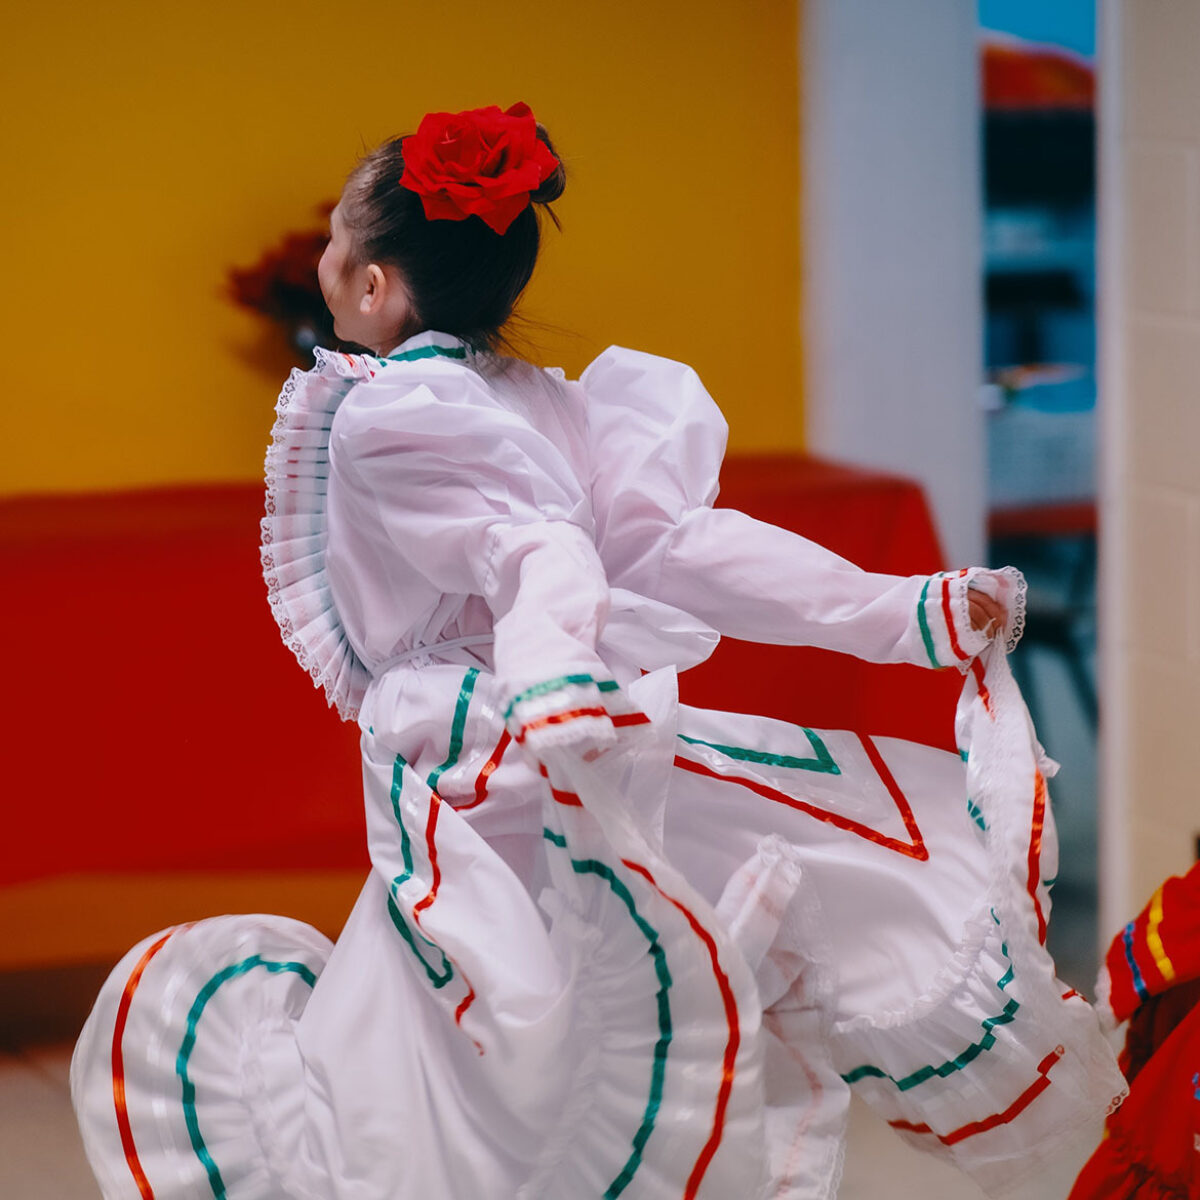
{"x":944,"y":615}
{"x":568,"y":712}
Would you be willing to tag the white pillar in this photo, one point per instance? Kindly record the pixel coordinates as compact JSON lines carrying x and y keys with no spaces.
{"x":892,"y":248}
{"x":1116,"y":898}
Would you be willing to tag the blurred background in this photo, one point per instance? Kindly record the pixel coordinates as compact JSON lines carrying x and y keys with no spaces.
{"x":871,"y":228}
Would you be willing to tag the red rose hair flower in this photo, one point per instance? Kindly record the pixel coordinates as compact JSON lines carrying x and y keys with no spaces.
{"x":479,"y":163}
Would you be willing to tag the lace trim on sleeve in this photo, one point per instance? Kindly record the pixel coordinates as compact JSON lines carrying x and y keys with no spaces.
{"x":944,"y":617}
{"x":1007,"y":585}
{"x":1017,"y":594}
{"x":294,"y":528}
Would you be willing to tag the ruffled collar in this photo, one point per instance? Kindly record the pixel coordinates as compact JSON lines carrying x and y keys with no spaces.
{"x":429,"y":344}
{"x":294,"y":527}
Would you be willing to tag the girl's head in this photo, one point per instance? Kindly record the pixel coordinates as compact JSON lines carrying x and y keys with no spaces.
{"x":446,"y":241}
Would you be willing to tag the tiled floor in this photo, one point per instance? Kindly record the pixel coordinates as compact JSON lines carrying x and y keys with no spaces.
{"x":879,"y":1164}
{"x":41,"y":1157}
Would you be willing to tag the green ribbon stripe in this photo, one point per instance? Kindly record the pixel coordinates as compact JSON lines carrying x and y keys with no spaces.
{"x":553,"y":685}
{"x":1007,"y":977}
{"x":972,"y":1052}
{"x":591,"y":866}
{"x":823,"y":762}
{"x":439,"y":978}
{"x":428,"y":352}
{"x":457,"y":728}
{"x":923,"y":621}
{"x":205,"y":994}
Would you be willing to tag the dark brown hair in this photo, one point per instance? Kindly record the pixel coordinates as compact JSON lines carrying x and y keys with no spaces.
{"x":463,"y":277}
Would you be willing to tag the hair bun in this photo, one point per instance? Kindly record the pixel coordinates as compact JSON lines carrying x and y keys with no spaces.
{"x":553,"y":185}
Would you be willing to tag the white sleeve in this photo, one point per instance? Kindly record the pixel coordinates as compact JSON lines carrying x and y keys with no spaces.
{"x":755,"y":581}
{"x":657,"y":440}
{"x":479,"y":503}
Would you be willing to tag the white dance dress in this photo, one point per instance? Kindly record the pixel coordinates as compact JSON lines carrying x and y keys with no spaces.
{"x":610,"y":945}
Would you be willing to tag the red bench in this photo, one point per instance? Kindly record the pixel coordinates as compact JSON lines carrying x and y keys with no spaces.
{"x":166,"y":758}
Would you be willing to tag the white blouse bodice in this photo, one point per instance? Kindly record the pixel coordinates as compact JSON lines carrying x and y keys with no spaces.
{"x":470,"y":497}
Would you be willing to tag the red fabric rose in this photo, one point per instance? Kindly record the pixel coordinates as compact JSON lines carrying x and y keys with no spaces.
{"x":479,"y":163}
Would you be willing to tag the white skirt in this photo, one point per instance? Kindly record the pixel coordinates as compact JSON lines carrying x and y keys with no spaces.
{"x":654,"y":975}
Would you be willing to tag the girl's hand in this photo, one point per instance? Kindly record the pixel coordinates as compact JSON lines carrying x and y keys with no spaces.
{"x":987,"y":615}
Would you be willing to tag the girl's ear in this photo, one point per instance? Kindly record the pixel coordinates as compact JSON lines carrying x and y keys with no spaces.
{"x":385,"y":298}
{"x":374,"y":291}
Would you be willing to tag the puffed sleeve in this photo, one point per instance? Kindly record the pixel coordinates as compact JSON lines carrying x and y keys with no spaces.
{"x":657,"y":440}
{"x":477,"y":502}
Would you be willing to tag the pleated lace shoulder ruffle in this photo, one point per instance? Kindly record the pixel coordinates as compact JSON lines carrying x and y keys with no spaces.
{"x":294,"y":530}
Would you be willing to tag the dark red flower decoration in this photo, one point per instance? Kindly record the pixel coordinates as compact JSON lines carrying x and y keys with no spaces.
{"x":479,"y":163}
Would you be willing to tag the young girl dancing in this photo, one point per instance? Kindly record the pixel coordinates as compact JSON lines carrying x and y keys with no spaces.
{"x":610,"y":945}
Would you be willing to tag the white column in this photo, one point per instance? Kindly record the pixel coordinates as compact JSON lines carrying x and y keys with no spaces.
{"x":1117,"y":903}
{"x":1150,"y":484}
{"x":892,"y":248}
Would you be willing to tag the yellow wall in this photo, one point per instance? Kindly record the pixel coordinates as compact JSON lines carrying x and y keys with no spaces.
{"x":159,"y":144}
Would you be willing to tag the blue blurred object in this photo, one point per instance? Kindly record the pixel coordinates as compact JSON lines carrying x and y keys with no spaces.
{"x":1068,"y":23}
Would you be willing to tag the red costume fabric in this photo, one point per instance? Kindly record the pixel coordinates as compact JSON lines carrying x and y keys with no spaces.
{"x":1151,"y":1148}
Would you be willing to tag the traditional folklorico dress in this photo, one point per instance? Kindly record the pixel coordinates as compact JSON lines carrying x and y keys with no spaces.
{"x":610,"y":945}
{"x":1150,"y":979}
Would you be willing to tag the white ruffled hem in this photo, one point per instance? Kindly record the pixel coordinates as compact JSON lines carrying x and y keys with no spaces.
{"x":196,"y":1025}
{"x":1001,"y":978}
